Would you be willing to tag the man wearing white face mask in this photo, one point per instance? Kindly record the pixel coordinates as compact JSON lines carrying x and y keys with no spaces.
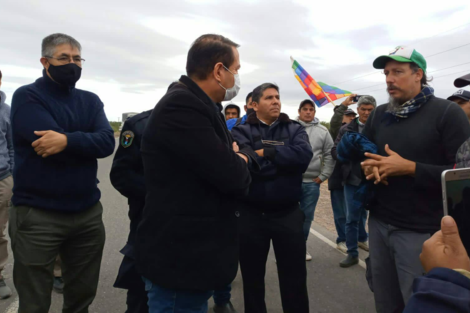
{"x":187,"y":240}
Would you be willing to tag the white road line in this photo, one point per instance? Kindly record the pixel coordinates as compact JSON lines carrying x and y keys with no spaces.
{"x":332,"y":244}
{"x":13,"y":307}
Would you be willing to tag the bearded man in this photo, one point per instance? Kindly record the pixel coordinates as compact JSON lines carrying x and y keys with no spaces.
{"x":417,"y":135}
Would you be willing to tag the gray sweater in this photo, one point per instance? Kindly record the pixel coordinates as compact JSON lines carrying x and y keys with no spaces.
{"x":322,"y":163}
{"x":6,"y":143}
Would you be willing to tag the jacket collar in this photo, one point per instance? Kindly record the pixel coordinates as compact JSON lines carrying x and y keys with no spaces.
{"x":283,"y":119}
{"x":195,"y":89}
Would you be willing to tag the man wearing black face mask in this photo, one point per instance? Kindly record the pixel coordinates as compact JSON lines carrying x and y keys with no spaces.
{"x":59,"y":132}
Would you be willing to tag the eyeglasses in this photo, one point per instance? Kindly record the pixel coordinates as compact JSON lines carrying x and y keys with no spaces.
{"x":66,"y":60}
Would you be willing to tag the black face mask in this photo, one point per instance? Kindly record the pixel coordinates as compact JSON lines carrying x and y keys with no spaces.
{"x":65,"y":75}
{"x":249,"y":111}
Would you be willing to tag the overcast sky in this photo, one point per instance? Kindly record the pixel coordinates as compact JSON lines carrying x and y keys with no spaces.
{"x":135,"y":49}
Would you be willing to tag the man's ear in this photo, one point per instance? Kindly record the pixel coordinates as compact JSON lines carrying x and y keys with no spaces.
{"x":44,"y":62}
{"x":255,"y":106}
{"x":420,"y":74}
{"x":218,"y":68}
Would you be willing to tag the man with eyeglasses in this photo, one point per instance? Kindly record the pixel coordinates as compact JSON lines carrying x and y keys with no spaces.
{"x":59,"y":132}
{"x":417,"y":135}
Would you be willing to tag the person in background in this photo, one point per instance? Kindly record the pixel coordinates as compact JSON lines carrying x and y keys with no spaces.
{"x":59,"y":132}
{"x":231,"y":111}
{"x":417,"y":135}
{"x":248,"y":109}
{"x":58,"y":285}
{"x":462,"y":98}
{"x":342,"y":116}
{"x":127,"y":176}
{"x":271,"y":211}
{"x":6,"y":184}
{"x":356,"y":217}
{"x":463,"y":154}
{"x":320,"y":167}
{"x":446,"y":287}
{"x":187,"y":243}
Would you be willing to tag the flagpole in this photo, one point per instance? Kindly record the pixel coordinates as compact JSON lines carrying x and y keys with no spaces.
{"x":327,"y":96}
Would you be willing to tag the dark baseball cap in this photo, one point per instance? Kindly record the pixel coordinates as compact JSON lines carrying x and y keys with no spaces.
{"x":305,"y":102}
{"x":462,"y":81}
{"x":349,"y":111}
{"x":460,"y":94}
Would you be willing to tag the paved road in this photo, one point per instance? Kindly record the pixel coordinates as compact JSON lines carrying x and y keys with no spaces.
{"x":331,"y":288}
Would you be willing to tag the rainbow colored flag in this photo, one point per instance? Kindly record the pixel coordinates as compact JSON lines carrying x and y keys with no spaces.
{"x":320,"y":93}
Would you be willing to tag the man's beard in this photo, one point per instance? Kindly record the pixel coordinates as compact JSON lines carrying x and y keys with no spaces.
{"x":394,"y":104}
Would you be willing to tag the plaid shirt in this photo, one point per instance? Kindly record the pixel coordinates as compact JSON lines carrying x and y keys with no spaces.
{"x":414,"y":104}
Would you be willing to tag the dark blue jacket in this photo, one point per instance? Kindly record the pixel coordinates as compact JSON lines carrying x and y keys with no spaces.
{"x":127,"y":176}
{"x":66,"y":181}
{"x":442,"y":290}
{"x":287,"y":154}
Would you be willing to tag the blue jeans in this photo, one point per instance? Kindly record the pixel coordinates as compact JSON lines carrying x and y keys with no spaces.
{"x":163,"y":300}
{"x":222,"y":296}
{"x":355,"y":222}
{"x":339,"y":213}
{"x":308,"y":203}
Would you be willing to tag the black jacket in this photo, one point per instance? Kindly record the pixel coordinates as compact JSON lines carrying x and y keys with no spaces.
{"x":127,"y":176}
{"x":187,"y":238}
{"x":351,"y":172}
{"x":277,"y":185}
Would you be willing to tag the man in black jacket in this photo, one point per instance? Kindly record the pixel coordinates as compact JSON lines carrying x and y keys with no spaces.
{"x":417,"y":136}
{"x":187,"y":243}
{"x":355,"y":227}
{"x":127,"y":176}
{"x":272,"y":207}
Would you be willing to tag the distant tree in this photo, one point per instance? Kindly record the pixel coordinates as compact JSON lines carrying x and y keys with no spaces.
{"x":115,"y":126}
{"x":326,"y":124}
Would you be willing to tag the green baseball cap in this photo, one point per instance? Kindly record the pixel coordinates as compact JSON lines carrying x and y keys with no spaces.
{"x":401,"y":54}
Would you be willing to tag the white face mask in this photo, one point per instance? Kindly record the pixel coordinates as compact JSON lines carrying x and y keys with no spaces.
{"x":231,"y":93}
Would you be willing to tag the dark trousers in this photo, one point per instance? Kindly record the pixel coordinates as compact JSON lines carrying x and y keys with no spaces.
{"x":137,"y":300}
{"x":286,"y":232}
{"x":37,"y":237}
{"x":128,"y":278}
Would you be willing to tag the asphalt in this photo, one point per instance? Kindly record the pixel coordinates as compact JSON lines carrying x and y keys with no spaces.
{"x":331,"y":288}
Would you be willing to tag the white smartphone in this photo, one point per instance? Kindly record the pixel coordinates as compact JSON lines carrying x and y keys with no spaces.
{"x":456,"y":200}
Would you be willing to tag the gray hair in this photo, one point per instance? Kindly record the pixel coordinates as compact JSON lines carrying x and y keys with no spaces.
{"x":258,"y":91}
{"x":365,"y":100}
{"x":52,"y":41}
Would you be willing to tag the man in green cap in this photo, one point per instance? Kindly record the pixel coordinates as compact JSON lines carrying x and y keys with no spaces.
{"x":417,"y":135}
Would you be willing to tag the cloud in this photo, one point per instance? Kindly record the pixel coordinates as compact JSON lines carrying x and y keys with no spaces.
{"x":134,"y":50}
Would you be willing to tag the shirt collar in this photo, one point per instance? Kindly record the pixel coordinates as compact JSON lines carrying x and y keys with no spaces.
{"x":267,"y":123}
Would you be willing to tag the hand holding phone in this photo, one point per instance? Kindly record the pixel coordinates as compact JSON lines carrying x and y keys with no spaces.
{"x":356,"y":98}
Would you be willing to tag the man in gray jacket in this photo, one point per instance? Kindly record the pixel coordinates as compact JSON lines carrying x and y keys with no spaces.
{"x":321,"y":166}
{"x":6,"y":184}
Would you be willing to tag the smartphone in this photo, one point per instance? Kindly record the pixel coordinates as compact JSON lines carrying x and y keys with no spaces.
{"x":356,"y":98}
{"x":456,"y":200}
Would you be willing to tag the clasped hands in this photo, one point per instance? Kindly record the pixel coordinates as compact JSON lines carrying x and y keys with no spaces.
{"x":379,"y":168}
